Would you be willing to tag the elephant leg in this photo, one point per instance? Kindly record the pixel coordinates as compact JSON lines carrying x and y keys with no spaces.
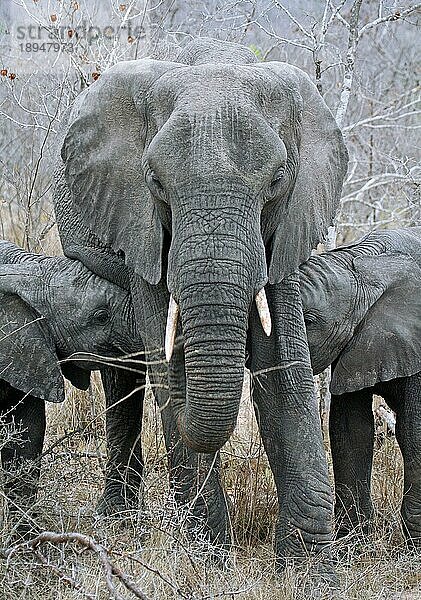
{"x":195,"y":479}
{"x":287,"y":413}
{"x":407,"y":395}
{"x":124,"y":393}
{"x":24,"y":418}
{"x":351,"y":430}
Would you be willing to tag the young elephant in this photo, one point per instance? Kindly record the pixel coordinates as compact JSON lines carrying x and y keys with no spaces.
{"x":50,"y":308}
{"x":362,"y":308}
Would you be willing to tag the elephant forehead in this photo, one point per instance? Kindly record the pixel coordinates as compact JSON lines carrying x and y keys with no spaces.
{"x":209,"y":88}
{"x":221,"y":134}
{"x":76,"y":287}
{"x":224,"y":140}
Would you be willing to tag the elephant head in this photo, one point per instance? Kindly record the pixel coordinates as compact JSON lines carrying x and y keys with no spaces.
{"x":362,"y":309}
{"x":52,"y":307}
{"x":218,"y":173}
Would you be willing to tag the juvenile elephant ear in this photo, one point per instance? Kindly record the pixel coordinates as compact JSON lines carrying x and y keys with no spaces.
{"x":28,"y":360}
{"x":303,"y":219}
{"x":102,"y":152}
{"x":387,"y":342}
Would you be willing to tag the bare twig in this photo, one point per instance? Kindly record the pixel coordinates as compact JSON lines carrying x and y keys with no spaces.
{"x":87,"y":542}
{"x":76,"y":585}
{"x":394,"y":16}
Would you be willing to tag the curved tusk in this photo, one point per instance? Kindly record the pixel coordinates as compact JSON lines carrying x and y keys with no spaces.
{"x":264,"y":313}
{"x":171,"y":330}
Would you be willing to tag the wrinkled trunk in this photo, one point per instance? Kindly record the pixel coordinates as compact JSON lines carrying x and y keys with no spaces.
{"x":214,"y":353}
{"x":216,"y":267}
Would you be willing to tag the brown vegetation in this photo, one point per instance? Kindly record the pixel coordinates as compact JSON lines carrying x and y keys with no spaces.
{"x":150,"y":550}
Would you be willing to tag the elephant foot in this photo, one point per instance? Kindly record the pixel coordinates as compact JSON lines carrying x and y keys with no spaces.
{"x":211,"y":542}
{"x":304,"y":529}
{"x":353,"y":515}
{"x":308,"y":550}
{"x":212,"y":528}
{"x":314,"y":578}
{"x":411,"y":521}
{"x":363,"y":525}
{"x":20,"y":519}
{"x":119,"y":500}
{"x":21,"y":489}
{"x":24,"y":529}
{"x":199,"y":494}
{"x":20,"y":503}
{"x":316,"y":559}
{"x":207,"y":518}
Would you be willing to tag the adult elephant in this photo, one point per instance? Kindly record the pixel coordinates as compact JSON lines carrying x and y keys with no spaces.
{"x":362,"y":309}
{"x":213,"y":177}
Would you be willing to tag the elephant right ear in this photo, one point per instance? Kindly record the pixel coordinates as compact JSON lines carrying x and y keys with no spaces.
{"x":387,"y":342}
{"x":102,"y":152}
{"x":302,"y":222}
{"x":28,"y":359}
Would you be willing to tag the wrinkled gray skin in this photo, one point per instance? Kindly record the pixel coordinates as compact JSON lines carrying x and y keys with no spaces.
{"x":211,"y":177}
{"x":50,"y":308}
{"x":362,"y":308}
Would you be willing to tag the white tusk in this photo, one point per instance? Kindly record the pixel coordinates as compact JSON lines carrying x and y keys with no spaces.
{"x":171,"y":329}
{"x":264,"y":313}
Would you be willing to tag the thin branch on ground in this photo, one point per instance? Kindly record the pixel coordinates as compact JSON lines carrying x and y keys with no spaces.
{"x":87,"y":542}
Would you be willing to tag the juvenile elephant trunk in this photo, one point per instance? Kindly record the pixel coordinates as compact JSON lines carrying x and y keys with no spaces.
{"x":216,"y":269}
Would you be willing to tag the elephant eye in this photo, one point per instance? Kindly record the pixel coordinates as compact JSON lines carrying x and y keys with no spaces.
{"x":101,"y":316}
{"x":155,"y":181}
{"x":277,"y":178}
{"x":275,"y":187}
{"x":154,"y":184}
{"x":310,"y":317}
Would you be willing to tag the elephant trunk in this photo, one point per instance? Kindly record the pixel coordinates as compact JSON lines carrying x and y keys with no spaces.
{"x":216,"y":269}
{"x":214,"y":354}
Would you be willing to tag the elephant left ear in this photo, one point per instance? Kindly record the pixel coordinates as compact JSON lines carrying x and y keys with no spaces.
{"x":28,"y":360}
{"x":387,"y":342}
{"x":303,"y":220}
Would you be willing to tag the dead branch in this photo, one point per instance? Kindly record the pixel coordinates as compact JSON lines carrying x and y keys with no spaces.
{"x":395,"y":16}
{"x":88,"y":543}
{"x":175,"y":588}
{"x":349,"y":64}
{"x":293,"y":19}
{"x":76,"y":585}
{"x":392,"y":115}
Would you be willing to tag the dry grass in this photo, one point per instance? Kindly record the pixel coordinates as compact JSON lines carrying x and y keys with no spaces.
{"x":154,"y":550}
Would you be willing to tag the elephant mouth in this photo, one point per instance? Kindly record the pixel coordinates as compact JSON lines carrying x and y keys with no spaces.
{"x":174,"y":312}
